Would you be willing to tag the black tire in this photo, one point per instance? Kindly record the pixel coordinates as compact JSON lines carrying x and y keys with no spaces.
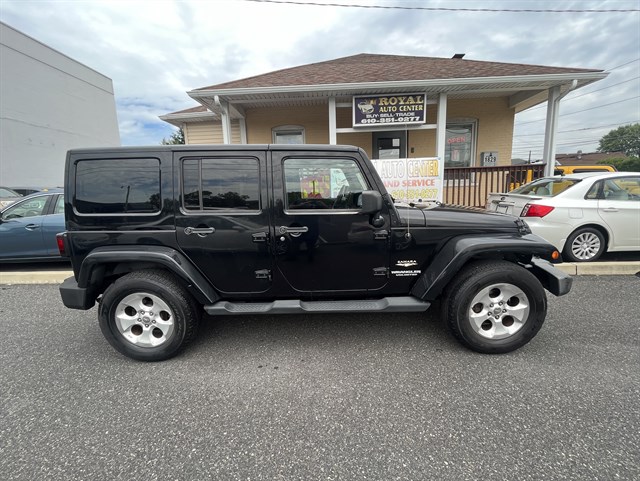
{"x":584,"y":245}
{"x":475,"y":317}
{"x":150,"y":336}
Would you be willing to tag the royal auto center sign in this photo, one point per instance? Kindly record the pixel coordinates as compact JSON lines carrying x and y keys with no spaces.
{"x":389,"y":109}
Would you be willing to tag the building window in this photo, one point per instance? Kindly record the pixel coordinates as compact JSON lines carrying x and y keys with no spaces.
{"x":461,"y":144}
{"x":288,"y":134}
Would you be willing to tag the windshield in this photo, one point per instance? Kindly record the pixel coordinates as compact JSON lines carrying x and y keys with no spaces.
{"x":545,"y":187}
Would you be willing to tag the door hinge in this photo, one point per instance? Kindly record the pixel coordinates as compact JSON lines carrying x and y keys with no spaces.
{"x":381,"y":235}
{"x":263,"y":274}
{"x":380,"y":271}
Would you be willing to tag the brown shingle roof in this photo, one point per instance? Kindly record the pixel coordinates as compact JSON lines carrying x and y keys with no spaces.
{"x":199,"y":108}
{"x":388,"y":68}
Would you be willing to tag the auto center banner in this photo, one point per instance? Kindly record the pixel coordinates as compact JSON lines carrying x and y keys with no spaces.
{"x":412,"y":180}
{"x":389,"y":109}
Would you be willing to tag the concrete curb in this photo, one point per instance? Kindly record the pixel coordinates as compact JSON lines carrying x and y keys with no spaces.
{"x":34,"y":277}
{"x":601,"y":268}
{"x":626,"y":268}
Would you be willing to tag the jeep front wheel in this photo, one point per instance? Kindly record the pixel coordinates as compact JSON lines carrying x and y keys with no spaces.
{"x":495,"y":306}
{"x":148,"y":316}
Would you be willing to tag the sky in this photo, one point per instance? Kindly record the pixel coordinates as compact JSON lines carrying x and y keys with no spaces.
{"x":155,"y":51}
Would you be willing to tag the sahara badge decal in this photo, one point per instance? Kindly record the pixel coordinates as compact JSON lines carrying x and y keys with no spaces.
{"x":410,"y":263}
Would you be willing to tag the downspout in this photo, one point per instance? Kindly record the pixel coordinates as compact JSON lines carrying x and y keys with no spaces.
{"x":223,"y":106}
{"x":333,"y":136}
{"x":553,"y":107}
{"x":441,"y":140}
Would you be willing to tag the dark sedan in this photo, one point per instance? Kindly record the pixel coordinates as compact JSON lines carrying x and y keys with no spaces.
{"x":28,"y":228}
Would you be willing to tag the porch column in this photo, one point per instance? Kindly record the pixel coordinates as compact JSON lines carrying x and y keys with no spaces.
{"x":441,"y":139}
{"x":551,"y":127}
{"x":243,"y":130}
{"x":333,"y":135}
{"x":223,"y":105}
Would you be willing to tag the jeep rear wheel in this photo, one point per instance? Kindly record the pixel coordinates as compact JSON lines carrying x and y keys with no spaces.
{"x":148,"y":315}
{"x":495,"y":306}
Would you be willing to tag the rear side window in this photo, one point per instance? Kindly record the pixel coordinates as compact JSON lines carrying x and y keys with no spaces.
{"x":220,"y":184}
{"x":622,"y":188}
{"x":117,"y":186}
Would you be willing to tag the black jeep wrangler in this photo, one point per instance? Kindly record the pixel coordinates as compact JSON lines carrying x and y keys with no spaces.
{"x":157,"y":235}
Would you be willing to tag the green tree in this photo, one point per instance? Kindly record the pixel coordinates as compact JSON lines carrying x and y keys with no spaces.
{"x":176,"y":138}
{"x":623,"y":139}
{"x":631,"y":164}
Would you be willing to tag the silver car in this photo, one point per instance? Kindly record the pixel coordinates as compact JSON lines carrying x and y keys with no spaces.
{"x":583,"y":215}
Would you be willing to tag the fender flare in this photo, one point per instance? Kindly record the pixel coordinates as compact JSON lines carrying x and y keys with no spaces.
{"x":458,"y":251}
{"x":168,"y":258}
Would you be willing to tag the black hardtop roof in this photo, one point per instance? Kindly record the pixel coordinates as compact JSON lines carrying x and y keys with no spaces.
{"x":217,"y":147}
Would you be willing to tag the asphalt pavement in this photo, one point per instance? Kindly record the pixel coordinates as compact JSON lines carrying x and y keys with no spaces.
{"x":324,"y":397}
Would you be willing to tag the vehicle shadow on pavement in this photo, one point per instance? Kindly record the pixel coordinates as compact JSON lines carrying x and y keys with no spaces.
{"x":293,"y":331}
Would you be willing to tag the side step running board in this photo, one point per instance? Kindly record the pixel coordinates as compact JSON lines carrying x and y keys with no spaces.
{"x":295,"y":306}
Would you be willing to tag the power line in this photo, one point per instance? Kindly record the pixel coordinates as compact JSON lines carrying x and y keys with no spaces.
{"x":581,"y":95}
{"x":446,"y":9}
{"x":620,"y":124}
{"x":578,"y":111}
{"x":622,"y":65}
{"x":587,"y":93}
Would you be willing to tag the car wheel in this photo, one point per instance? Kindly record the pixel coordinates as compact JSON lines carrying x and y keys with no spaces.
{"x":148,"y":316}
{"x":494,"y":306}
{"x":584,"y":245}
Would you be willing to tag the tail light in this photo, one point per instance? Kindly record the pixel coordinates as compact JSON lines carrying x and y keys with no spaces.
{"x":61,"y":239}
{"x":536,"y":210}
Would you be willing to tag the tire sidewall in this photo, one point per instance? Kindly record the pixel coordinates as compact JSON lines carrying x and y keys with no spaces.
{"x":121,"y":289}
{"x":537,"y":310}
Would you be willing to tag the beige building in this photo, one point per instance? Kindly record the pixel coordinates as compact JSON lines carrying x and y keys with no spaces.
{"x":392,"y":106}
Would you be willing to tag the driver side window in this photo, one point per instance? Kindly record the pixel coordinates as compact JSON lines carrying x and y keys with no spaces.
{"x":28,"y":208}
{"x":323,"y":184}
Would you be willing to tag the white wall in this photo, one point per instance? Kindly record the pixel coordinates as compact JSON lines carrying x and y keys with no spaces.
{"x":49,"y":103}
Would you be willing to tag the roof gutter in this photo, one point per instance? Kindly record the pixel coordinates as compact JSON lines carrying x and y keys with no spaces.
{"x":400,"y":84}
{"x":179,"y":119}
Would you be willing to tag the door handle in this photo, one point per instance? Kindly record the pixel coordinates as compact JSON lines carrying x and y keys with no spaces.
{"x":610,"y":209}
{"x":260,"y":237}
{"x":32,"y":226}
{"x":201,"y":231}
{"x":294,"y":231}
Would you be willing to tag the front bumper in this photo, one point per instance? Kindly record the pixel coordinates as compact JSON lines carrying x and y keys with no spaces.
{"x":75,"y":297}
{"x":553,"y":279}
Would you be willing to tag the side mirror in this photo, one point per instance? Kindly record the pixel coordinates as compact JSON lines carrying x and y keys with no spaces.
{"x":371,"y":202}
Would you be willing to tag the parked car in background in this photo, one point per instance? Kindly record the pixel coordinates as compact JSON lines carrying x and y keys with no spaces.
{"x":32,"y":189}
{"x":28,"y":228}
{"x":7,"y":196}
{"x":582,"y":215}
{"x":581,"y":169}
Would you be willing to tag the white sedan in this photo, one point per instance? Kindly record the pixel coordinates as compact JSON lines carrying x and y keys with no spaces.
{"x":583,"y":215}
